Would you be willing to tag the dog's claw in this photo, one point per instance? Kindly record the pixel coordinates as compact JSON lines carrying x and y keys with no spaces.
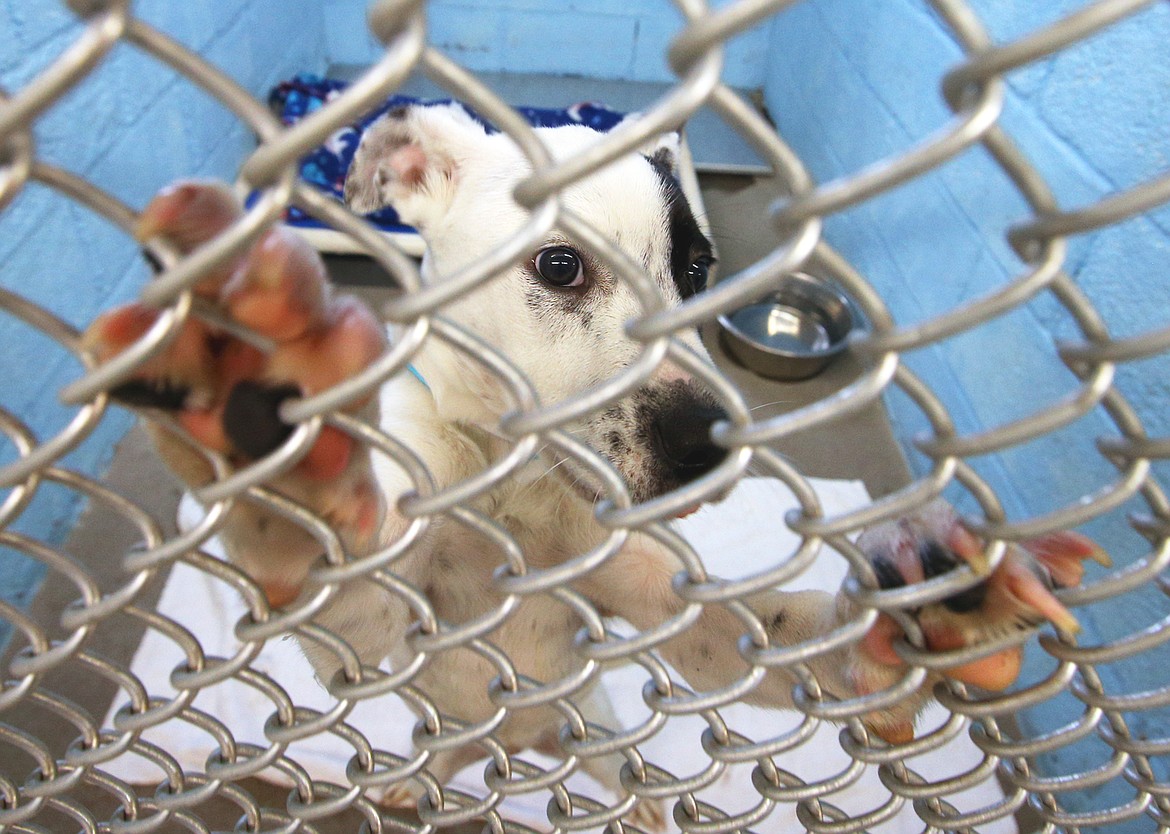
{"x":398,"y":797}
{"x":188,"y":213}
{"x":1063,"y":554}
{"x":968,"y":547}
{"x":891,"y":732}
{"x":144,"y":393}
{"x":279,"y":594}
{"x":1018,"y":593}
{"x":1023,"y":585}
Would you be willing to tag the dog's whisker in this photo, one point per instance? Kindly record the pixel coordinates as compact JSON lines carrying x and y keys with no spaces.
{"x":546,"y":472}
{"x":768,"y":405}
{"x":756,"y":470}
{"x":536,"y":481}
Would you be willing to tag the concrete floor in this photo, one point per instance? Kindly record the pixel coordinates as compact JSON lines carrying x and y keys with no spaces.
{"x":860,"y":446}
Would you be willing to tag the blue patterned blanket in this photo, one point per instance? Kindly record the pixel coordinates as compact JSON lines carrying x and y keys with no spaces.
{"x":326,"y":166}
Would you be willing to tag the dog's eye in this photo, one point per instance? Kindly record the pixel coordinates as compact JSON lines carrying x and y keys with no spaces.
{"x":697,"y":273}
{"x":560,"y":266}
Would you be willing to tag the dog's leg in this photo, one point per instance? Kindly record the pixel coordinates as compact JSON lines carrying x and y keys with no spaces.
{"x":636,"y":585}
{"x":225,"y":394}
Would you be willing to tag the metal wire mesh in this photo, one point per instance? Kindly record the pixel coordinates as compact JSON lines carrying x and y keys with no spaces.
{"x":59,"y":781}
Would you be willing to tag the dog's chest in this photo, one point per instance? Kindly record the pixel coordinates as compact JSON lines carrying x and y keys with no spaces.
{"x":536,"y":636}
{"x":544,"y":527}
{"x":547,"y":530}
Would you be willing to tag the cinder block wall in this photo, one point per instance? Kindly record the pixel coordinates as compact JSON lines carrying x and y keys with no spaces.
{"x":623,"y":39}
{"x":848,"y":87}
{"x":130,"y":128}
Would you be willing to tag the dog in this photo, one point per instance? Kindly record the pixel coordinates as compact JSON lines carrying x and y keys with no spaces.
{"x":558,"y":317}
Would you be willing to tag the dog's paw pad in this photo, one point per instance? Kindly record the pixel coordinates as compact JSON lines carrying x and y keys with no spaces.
{"x":187,"y":214}
{"x":251,"y":416}
{"x":225,"y":392}
{"x":1017,"y":594}
{"x":280,"y":290}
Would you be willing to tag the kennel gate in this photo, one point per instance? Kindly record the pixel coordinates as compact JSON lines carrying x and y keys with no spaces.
{"x":44,"y":785}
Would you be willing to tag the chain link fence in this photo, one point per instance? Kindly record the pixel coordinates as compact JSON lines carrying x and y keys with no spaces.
{"x":64,"y":784}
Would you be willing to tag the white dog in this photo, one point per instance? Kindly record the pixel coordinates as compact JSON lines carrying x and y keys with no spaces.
{"x":558,"y":316}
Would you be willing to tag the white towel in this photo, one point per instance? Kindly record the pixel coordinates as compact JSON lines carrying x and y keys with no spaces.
{"x":735,"y":538}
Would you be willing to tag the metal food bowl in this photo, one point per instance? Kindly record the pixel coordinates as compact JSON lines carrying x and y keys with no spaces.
{"x":793,"y":333}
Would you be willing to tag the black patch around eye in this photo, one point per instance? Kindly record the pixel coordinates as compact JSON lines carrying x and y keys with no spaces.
{"x":688,"y":245}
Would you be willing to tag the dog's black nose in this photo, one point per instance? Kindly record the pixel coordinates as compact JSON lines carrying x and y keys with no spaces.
{"x":682,"y":432}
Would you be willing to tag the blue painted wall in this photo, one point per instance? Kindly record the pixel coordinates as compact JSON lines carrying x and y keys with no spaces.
{"x":1093,"y":120}
{"x":594,"y":38}
{"x":131,"y":127}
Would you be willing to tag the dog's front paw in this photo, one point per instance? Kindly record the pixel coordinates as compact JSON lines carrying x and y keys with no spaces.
{"x":1018,"y":594}
{"x":227,"y":394}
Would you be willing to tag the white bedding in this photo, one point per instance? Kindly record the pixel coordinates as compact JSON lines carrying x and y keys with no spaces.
{"x":734,"y":538}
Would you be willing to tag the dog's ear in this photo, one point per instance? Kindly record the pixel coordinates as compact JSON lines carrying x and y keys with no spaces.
{"x":410,"y":159}
{"x":663,"y":152}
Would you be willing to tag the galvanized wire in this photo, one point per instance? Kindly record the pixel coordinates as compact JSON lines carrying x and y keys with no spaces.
{"x":72,"y":783}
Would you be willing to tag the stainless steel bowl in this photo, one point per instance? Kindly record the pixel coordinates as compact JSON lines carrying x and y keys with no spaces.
{"x":793,"y":333}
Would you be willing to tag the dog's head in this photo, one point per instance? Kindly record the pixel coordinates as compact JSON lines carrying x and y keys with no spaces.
{"x":559,"y":314}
